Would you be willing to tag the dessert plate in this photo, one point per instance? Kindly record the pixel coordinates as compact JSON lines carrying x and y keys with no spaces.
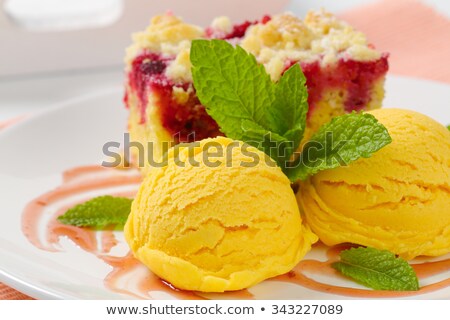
{"x":37,"y":151}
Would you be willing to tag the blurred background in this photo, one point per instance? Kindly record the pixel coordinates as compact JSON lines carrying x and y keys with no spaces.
{"x":55,"y":50}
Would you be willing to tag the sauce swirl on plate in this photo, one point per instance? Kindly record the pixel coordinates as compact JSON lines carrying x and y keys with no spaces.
{"x":79,"y":185}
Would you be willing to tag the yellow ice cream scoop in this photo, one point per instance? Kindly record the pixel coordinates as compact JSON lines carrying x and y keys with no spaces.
{"x":219,"y":216}
{"x":399,"y":199}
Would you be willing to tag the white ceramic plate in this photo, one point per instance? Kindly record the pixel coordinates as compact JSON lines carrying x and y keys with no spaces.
{"x":35,"y":152}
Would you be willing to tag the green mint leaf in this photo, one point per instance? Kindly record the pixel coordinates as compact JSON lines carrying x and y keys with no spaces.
{"x":377,"y":269}
{"x":231,"y":85}
{"x":448,"y":127}
{"x":99,"y":212}
{"x":343,"y":140}
{"x":240,"y":96}
{"x":291,"y":104}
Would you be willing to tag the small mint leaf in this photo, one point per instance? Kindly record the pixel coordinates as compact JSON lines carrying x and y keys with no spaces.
{"x":448,"y":127}
{"x":377,"y":269}
{"x":343,"y":140}
{"x":99,"y":212}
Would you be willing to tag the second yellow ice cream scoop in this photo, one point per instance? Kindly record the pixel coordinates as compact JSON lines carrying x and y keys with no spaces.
{"x":398,"y":200}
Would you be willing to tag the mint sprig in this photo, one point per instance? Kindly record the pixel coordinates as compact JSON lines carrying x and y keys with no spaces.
{"x":99,"y":213}
{"x":343,"y":140}
{"x":377,"y":269}
{"x":240,"y":96}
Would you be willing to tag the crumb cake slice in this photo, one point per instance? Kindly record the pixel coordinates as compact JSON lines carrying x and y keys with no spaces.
{"x":344,"y":73}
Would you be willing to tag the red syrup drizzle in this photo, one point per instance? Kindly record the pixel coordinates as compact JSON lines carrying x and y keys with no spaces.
{"x":315,"y":267}
{"x":76,"y":182}
{"x":87,"y":179}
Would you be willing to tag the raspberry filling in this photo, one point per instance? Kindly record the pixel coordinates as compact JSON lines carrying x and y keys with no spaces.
{"x":354,"y":77}
{"x":147,"y":71}
{"x":188,"y":121}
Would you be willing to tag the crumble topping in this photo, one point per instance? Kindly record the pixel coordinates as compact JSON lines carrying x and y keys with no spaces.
{"x":276,"y":43}
{"x":222,"y":24}
{"x":321,"y":36}
{"x":166,"y":34}
{"x":180,"y":69}
{"x":181,"y":95}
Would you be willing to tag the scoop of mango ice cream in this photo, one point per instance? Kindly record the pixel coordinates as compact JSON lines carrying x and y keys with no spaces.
{"x":224,"y":223}
{"x":398,"y":200}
